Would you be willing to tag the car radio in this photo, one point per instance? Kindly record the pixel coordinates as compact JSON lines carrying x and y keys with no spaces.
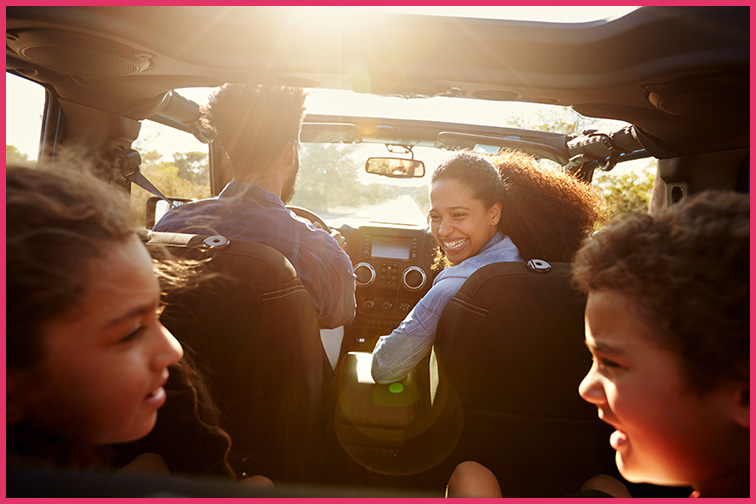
{"x":402,"y":248}
{"x":389,"y":261}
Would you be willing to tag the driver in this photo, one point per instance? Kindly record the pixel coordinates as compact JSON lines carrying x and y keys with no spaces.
{"x":258,"y":128}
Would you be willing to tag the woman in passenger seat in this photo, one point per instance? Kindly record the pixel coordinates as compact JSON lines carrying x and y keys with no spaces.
{"x":487,"y":209}
{"x":87,"y":357}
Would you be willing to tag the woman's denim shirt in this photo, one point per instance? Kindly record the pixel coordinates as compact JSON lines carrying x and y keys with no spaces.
{"x":395,"y":355}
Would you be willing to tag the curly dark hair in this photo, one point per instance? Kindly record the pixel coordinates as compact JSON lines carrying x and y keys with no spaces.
{"x":687,"y":272}
{"x":546,"y":213}
{"x":58,"y":223}
{"x":253,"y":124}
{"x":476,"y":172}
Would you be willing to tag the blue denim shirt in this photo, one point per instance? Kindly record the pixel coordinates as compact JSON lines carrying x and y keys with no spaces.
{"x":396,"y":354}
{"x":249,"y":212}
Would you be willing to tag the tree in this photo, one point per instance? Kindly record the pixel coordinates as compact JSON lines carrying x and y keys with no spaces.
{"x":626,"y":193}
{"x":556,"y":121}
{"x":15,"y":156}
{"x":149,"y":157}
{"x":327,"y":177}
{"x":165,"y":176}
{"x":192,"y":166}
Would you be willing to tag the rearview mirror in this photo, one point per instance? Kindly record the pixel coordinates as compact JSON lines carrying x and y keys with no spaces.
{"x":395,"y":167}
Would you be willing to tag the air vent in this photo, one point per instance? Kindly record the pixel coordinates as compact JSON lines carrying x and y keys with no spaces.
{"x":77,"y":54}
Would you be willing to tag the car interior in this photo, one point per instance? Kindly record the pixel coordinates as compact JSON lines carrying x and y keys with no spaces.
{"x":675,"y":79}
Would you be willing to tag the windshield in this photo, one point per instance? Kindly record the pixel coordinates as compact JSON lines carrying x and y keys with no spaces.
{"x":332,"y":179}
{"x":333,"y":183}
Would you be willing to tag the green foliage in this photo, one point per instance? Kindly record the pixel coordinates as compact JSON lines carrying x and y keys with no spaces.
{"x":15,"y":156}
{"x":626,"y":193}
{"x":192,"y":166}
{"x":555,"y":121}
{"x":167,"y":177}
{"x":328,"y":178}
{"x":149,"y":157}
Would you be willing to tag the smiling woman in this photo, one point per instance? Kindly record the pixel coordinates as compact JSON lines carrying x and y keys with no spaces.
{"x":484,"y":210}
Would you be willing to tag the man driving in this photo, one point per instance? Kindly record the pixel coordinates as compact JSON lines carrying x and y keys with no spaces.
{"x":258,"y":128}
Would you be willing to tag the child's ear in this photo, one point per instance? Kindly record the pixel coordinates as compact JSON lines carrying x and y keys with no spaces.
{"x":741,"y":404}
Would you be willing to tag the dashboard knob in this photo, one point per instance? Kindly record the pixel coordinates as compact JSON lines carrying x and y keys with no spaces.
{"x":365,"y":274}
{"x":413,"y":278}
{"x":369,"y":304}
{"x":387,"y":305}
{"x":404,"y":307}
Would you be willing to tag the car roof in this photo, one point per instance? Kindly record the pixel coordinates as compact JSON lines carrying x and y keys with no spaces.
{"x":679,"y":74}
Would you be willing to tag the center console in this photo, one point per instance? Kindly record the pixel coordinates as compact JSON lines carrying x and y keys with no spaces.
{"x":392,"y":265}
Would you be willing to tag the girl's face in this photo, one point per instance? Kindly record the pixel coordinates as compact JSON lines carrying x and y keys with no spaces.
{"x":459,"y":222}
{"x":667,"y":433}
{"x":105,"y":363}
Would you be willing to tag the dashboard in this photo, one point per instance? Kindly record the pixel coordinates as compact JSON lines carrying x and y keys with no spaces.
{"x":392,"y":264}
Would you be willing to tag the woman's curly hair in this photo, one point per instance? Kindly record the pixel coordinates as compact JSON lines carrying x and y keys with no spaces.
{"x":686,"y":273}
{"x":546,"y":213}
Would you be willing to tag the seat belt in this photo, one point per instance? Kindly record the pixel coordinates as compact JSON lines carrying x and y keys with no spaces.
{"x":127,"y":162}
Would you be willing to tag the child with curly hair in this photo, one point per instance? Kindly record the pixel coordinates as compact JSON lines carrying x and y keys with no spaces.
{"x":667,"y":321}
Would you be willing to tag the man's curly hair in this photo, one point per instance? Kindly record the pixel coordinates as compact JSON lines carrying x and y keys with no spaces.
{"x":254,"y":123}
{"x":686,"y":272}
{"x":546,"y":213}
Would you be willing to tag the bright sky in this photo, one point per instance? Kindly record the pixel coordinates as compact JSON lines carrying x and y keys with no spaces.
{"x":25,"y":101}
{"x":547,"y":13}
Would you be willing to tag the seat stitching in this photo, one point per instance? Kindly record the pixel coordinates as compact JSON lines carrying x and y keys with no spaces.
{"x":293,"y":287}
{"x":458,"y":300}
{"x":477,"y":310}
{"x":268,"y":297}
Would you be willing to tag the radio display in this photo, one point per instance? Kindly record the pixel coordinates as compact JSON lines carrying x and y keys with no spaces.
{"x":385,"y":247}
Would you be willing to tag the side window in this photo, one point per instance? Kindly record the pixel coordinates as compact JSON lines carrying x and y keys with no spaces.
{"x":24,"y":106}
{"x":628,"y":188}
{"x":174,"y":161}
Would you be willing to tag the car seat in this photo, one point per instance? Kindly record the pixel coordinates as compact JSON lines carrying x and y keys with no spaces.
{"x":252,"y":329}
{"x":510,"y":355}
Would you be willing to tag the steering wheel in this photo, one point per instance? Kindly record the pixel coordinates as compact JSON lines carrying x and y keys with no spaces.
{"x":309,"y":215}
